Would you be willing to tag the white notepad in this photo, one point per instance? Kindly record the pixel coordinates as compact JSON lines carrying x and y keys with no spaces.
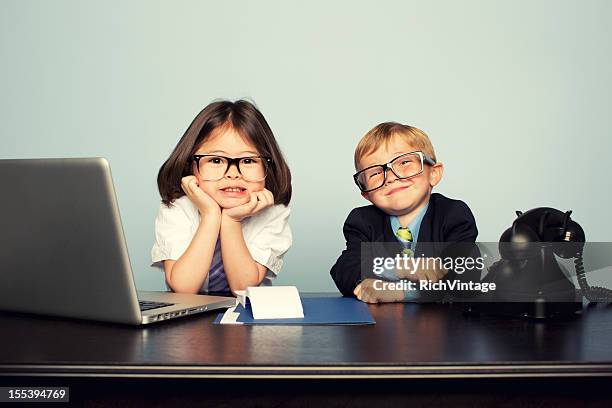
{"x":268,"y":302}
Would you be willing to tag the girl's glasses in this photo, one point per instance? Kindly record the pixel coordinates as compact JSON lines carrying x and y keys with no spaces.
{"x":214,"y":167}
{"x":405,"y":166}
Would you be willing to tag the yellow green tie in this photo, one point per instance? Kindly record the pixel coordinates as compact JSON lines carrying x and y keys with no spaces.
{"x":405,"y":235}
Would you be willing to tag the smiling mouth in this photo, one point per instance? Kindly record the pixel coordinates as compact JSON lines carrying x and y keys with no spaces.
{"x":233,"y":191}
{"x":398,"y":189}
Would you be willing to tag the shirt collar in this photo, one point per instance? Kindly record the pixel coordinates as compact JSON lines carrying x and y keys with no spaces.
{"x":413,"y":226}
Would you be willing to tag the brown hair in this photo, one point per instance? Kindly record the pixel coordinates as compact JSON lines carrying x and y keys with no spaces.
{"x":245,"y":119}
{"x":384,"y":132}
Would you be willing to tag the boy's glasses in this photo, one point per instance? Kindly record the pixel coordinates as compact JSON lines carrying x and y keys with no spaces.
{"x":214,"y":167}
{"x":405,"y":166}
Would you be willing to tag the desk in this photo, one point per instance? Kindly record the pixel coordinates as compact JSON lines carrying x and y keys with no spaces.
{"x":430,"y":341}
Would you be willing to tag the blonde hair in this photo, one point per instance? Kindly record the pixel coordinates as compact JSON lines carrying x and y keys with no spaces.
{"x":384,"y":132}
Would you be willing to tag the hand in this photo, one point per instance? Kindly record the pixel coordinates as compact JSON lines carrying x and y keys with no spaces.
{"x":366,"y":292}
{"x":205,"y":203}
{"x":259,"y":200}
{"x":428,"y":269}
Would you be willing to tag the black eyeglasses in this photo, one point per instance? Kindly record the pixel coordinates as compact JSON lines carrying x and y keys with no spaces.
{"x":404,"y":166}
{"x":213,"y":167}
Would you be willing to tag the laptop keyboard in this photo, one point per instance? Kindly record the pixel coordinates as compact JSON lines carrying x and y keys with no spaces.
{"x":146,"y":305}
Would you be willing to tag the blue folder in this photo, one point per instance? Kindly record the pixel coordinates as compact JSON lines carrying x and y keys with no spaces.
{"x":317,"y":311}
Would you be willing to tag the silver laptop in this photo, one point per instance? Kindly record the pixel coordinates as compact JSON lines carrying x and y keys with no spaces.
{"x":63,"y":252}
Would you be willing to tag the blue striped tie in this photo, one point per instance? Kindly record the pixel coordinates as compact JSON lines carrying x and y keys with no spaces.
{"x":217,"y":282}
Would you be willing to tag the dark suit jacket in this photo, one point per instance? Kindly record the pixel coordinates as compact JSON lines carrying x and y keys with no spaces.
{"x":445,"y":221}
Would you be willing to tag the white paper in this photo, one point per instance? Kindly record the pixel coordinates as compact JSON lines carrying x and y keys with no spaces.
{"x":230,"y":316}
{"x":241,"y":296}
{"x":275,"y":302}
{"x":267,"y":302}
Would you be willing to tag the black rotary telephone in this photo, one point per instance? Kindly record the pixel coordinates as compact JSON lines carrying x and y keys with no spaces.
{"x":529,"y":280}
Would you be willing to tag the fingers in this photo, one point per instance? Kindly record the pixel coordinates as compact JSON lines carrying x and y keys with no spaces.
{"x":421,"y":274}
{"x":437,"y":273}
{"x":248,"y":208}
{"x":195,"y":188}
{"x":258,"y":200}
{"x":369,"y":296}
{"x":366,"y":292}
{"x":357,"y":291}
{"x":190,"y":186}
{"x":265,"y":195}
{"x":430,"y":275}
{"x":269,"y":195}
{"x":427,"y":275}
{"x":261,"y":201}
{"x":362,"y":292}
{"x":264,"y":199}
{"x":186,"y":181}
{"x":253,"y":201}
{"x":205,"y":203}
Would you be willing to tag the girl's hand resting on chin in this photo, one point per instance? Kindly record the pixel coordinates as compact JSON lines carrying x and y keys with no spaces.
{"x":205,"y":203}
{"x":259,"y":201}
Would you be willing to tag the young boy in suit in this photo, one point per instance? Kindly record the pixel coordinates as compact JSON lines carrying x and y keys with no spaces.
{"x":397,"y":171}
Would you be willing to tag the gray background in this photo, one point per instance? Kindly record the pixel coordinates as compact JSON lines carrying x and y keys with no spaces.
{"x":515,"y":96}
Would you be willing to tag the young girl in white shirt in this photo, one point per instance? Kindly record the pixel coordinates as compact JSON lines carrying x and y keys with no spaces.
{"x":223,"y":221}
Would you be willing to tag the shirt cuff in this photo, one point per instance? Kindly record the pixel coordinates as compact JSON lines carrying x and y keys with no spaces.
{"x":266,"y":258}
{"x":412,"y":295}
{"x":388,"y":275}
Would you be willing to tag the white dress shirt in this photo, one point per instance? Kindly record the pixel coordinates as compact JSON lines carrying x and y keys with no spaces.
{"x":267,"y":235}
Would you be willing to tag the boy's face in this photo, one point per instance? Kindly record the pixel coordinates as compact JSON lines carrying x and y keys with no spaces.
{"x":397,"y":196}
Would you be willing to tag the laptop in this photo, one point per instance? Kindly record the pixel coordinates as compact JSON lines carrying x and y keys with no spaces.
{"x":63,"y":251}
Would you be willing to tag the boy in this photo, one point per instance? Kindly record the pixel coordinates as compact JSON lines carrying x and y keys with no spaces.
{"x":396,"y":171}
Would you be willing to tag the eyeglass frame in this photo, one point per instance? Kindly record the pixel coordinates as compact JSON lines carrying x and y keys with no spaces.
{"x":232,"y":160}
{"x":388,"y":166}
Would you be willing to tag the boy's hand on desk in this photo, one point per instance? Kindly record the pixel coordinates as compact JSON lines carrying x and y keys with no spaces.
{"x":426,"y":271}
{"x":259,"y":200}
{"x":205,"y":203}
{"x":371,"y":292}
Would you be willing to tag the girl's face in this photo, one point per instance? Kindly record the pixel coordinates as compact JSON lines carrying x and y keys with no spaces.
{"x":232,"y":190}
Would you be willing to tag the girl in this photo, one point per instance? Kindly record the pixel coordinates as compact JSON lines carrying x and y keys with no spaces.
{"x":223,"y":221}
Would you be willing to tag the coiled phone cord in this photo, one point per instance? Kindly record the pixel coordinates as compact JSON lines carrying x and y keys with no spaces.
{"x":592,"y":293}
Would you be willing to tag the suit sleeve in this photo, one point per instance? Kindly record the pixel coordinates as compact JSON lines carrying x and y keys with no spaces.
{"x":460,"y":224}
{"x":347,"y":270}
{"x":460,"y":234}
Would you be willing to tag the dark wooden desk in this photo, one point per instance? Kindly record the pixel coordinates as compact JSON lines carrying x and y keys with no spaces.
{"x":416,"y":355}
{"x":408,"y":341}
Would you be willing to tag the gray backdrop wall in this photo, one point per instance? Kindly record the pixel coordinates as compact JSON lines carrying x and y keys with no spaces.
{"x":515,"y":96}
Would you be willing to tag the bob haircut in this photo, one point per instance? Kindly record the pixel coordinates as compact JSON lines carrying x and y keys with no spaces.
{"x":243,"y":117}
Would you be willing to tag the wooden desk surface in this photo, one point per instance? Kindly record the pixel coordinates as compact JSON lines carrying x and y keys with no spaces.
{"x":408,"y":341}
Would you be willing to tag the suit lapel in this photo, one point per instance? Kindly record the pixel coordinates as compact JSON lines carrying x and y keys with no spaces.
{"x":426,"y":228}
